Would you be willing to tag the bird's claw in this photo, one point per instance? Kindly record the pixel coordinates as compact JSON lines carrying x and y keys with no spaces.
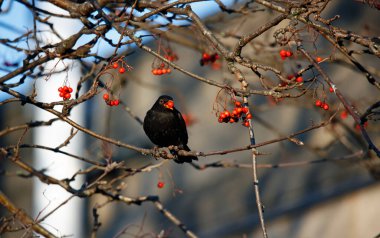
{"x":173,"y":148}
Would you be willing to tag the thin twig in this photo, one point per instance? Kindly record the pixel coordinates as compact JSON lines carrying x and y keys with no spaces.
{"x":23,"y":217}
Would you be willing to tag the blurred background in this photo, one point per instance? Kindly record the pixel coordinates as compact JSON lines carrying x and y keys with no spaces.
{"x":329,"y":198}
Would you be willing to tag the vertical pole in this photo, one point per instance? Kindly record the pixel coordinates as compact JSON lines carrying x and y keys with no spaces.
{"x":68,"y":219}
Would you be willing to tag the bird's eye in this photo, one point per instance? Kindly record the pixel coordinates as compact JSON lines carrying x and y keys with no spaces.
{"x":161,"y":101}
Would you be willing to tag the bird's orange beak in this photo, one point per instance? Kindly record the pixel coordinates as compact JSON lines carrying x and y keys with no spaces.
{"x":169,"y":104}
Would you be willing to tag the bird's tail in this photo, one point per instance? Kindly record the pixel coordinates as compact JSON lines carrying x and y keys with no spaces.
{"x":185,"y":159}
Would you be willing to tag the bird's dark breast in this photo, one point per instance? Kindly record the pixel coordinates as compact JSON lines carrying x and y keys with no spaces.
{"x":162,"y":128}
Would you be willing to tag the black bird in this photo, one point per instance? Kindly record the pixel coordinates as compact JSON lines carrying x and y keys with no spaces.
{"x":164,"y":125}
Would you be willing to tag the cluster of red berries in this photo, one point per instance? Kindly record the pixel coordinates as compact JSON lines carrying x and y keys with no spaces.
{"x":160,"y":184}
{"x":109,"y":102}
{"x":65,"y":92}
{"x":207,"y":58}
{"x":115,"y":65}
{"x":285,"y":54}
{"x":234,"y":116}
{"x":322,"y":105}
{"x":171,"y":56}
{"x":161,"y":71}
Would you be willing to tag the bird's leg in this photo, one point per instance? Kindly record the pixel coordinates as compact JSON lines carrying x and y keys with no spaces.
{"x":173,"y":150}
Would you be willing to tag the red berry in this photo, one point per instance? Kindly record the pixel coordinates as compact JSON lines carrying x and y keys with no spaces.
{"x":326,"y":106}
{"x":220,"y":120}
{"x":246,"y":123}
{"x":205,"y":56}
{"x":232,"y":120}
{"x":318,"y":103}
{"x":227,"y":113}
{"x":299,"y":79}
{"x":344,"y":115}
{"x":249,"y":116}
{"x":234,"y":112}
{"x":168,"y":70}
{"x":160,"y":184}
{"x":65,"y":89}
{"x":289,"y":53}
{"x":116,"y":102}
{"x":238,"y":104}
{"x":122,"y":70}
{"x":331,"y":89}
{"x":60,"y":89}
{"x":239,"y":110}
{"x":61,"y":94}
{"x":283,"y":53}
{"x":154,"y":72}
{"x":67,"y":96}
{"x":164,"y":71}
{"x":70,"y":89}
{"x":106,"y":96}
{"x":115,"y":65}
{"x":244,"y":109}
{"x":318,"y":59}
{"x":159,"y":71}
{"x":223,"y":115}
